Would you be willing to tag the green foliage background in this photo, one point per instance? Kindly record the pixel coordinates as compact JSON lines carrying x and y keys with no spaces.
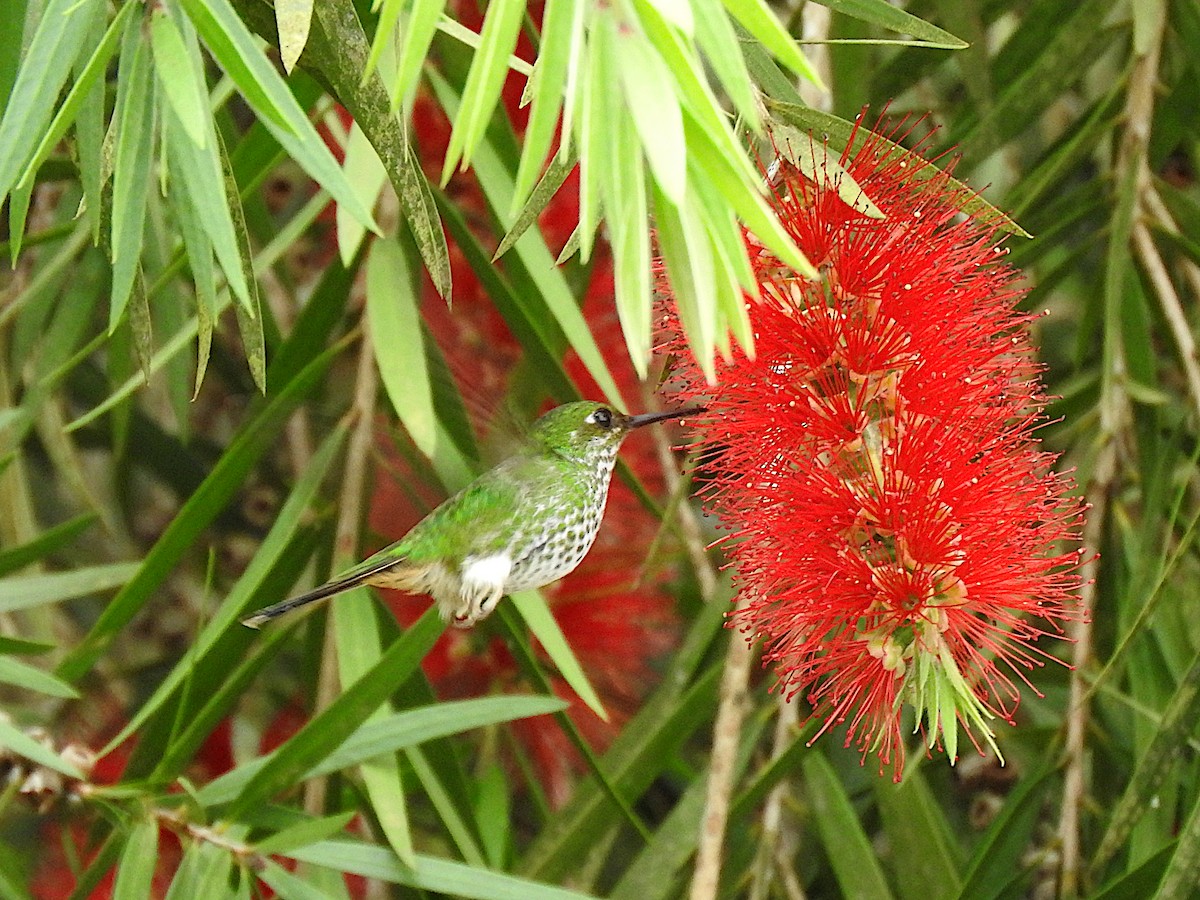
{"x":137,"y":146}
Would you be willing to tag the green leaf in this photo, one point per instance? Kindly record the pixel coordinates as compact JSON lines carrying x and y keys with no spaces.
{"x":591,"y":100}
{"x":46,"y":66}
{"x":840,"y":131}
{"x":849,"y":850}
{"x":719,"y":41}
{"x":133,"y":159}
{"x":998,"y":854}
{"x":249,"y":316}
{"x":422,"y":23}
{"x":304,"y":833}
{"x":289,"y":886}
{"x":287,"y":522}
{"x":553,"y":295}
{"x":140,"y":325}
{"x":392,"y":732}
{"x":1179,"y":881}
{"x":484,"y":82}
{"x":204,"y":276}
{"x":760,"y":20}
{"x":367,"y":174}
{"x":187,"y":95}
{"x":882,"y":13}
{"x":237,"y":52}
{"x":546,"y":84}
{"x":465,"y":35}
{"x":812,"y":157}
{"x":206,"y":502}
{"x":643,"y":750}
{"x":22,"y":592}
{"x":745,"y":199}
{"x":650,"y":98}
{"x":686,"y":257}
{"x":23,"y":745}
{"x":1152,"y":767}
{"x":135,"y":871}
{"x":430,"y":873}
{"x":88,"y":89}
{"x":326,"y":731}
{"x":292,"y":19}
{"x":630,"y":234}
{"x":33,"y":679}
{"x":205,"y":217}
{"x":395,"y":318}
{"x":552,"y":179}
{"x":18,"y":647}
{"x":45,"y":544}
{"x":919,"y":835}
{"x":533,"y":609}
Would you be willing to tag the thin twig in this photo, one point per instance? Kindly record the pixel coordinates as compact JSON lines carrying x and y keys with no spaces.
{"x":1075,"y":746}
{"x":1172,"y":307}
{"x":731,"y":712}
{"x":777,"y":844}
{"x":1114,"y":418}
{"x":732,"y":706}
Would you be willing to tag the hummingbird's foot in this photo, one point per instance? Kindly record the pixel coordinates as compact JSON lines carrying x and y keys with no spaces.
{"x":481,"y":588}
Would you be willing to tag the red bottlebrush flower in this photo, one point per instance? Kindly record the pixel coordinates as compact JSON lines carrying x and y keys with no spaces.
{"x":897,"y":531}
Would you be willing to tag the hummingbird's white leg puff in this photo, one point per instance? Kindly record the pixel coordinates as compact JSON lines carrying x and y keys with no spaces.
{"x":483,"y":583}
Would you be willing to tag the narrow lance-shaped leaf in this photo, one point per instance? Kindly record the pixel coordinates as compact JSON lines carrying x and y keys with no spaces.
{"x":135,"y":871}
{"x":591,"y":127}
{"x":421,"y":25}
{"x":882,"y":13}
{"x":721,"y":47}
{"x":542,"y":624}
{"x":47,"y":64}
{"x":85,"y":97}
{"x":685,"y":251}
{"x":198,"y":171}
{"x":807,"y":119}
{"x":90,"y":123}
{"x":553,"y":294}
{"x":140,"y":324}
{"x":238,"y":53}
{"x":31,"y":678}
{"x":484,"y":82}
{"x":187,"y":95}
{"x":399,"y":346}
{"x":292,"y":18}
{"x":289,"y":520}
{"x":249,"y":318}
{"x":368,"y":176}
{"x":22,"y":744}
{"x":133,"y":158}
{"x":549,"y":76}
{"x":760,"y":20}
{"x":630,"y":227}
{"x":650,"y":97}
{"x":200,"y":260}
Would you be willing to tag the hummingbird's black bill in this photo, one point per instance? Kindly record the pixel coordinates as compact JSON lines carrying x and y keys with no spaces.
{"x":632,"y":422}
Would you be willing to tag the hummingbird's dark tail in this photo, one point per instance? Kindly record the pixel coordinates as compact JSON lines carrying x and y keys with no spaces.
{"x":353,"y":579}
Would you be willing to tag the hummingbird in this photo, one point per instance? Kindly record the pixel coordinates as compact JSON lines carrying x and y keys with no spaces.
{"x":523,"y":524}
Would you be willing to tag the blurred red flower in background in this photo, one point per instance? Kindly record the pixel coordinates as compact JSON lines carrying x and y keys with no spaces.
{"x":897,"y":532}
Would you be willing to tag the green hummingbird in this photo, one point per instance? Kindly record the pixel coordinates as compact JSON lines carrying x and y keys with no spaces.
{"x":521,"y":525}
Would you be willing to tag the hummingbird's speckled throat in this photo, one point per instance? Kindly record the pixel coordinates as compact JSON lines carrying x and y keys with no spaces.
{"x":521,"y":525}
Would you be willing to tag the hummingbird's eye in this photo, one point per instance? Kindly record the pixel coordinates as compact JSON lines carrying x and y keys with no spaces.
{"x":602,"y":417}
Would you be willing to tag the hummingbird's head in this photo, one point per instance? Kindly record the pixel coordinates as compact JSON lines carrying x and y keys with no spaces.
{"x":588,"y":431}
